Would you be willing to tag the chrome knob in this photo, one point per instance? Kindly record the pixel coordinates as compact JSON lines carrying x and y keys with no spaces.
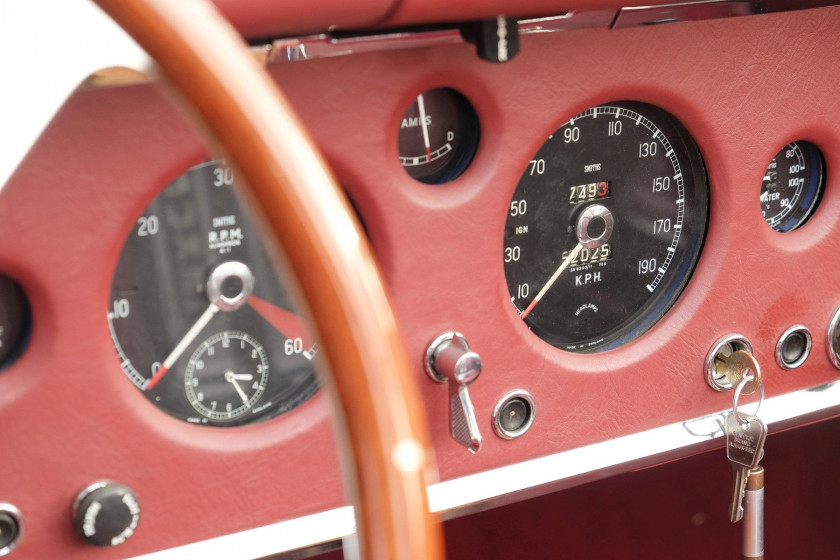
{"x":449,"y":360}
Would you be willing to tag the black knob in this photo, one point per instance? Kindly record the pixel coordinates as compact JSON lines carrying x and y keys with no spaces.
{"x":106,"y":513}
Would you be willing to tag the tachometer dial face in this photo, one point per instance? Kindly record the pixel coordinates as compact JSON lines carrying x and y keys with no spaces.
{"x":605,"y":226}
{"x":438,"y":136}
{"x":792,"y":186}
{"x":202,"y":324}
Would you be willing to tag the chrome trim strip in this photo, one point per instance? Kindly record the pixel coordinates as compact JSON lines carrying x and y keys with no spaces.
{"x":709,"y":9}
{"x":294,"y":539}
{"x":326,"y":46}
{"x":461,"y":496}
{"x":682,"y":11}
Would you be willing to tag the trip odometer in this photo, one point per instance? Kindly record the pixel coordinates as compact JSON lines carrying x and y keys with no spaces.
{"x":605,"y":226}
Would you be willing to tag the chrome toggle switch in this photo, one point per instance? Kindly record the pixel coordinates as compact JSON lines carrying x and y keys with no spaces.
{"x":449,"y":359}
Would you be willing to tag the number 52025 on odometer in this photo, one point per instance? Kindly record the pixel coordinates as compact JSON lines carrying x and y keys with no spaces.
{"x":605,"y":226}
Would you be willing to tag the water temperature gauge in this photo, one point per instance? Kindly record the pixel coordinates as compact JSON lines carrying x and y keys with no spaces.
{"x":438,"y":136}
{"x":14,"y":320}
{"x":792,"y":186}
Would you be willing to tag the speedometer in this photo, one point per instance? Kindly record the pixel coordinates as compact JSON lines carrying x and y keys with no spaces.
{"x":605,"y":226}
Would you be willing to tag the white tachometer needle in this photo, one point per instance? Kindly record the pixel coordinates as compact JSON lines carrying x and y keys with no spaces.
{"x":230,"y":377}
{"x":563,"y":266}
{"x":173,"y":356}
{"x":242,"y":376}
{"x":422,"y":106}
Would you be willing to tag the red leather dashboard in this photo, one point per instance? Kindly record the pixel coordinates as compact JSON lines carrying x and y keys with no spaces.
{"x":743,"y":87}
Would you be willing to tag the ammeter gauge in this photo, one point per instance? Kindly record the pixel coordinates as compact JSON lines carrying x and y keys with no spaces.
{"x":438,"y":136}
{"x":792,"y":186}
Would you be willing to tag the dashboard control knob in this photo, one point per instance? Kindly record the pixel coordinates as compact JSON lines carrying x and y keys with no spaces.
{"x":106,"y":513}
{"x":450,"y":360}
{"x":496,"y":40}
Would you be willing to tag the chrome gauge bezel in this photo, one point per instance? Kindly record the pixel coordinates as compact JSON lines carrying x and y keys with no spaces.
{"x":590,"y":160}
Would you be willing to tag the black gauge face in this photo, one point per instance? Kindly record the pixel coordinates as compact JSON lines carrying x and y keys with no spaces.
{"x":605,"y":226}
{"x":792,"y":186}
{"x":226,"y":375}
{"x":201,"y":322}
{"x":438,"y":136}
{"x":14,"y":320}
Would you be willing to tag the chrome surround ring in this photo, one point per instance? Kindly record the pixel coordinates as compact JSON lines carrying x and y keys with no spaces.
{"x":831,"y":334}
{"x":215,"y":283}
{"x":594,"y":212}
{"x":737,"y":397}
{"x":796,"y":329}
{"x":735,"y":342}
{"x":507,"y":397}
{"x":17,"y":517}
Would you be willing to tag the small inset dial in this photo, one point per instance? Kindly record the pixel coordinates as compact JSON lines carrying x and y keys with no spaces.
{"x":226,"y":375}
{"x":438,"y":136}
{"x":792,"y":186}
{"x":14,"y":320}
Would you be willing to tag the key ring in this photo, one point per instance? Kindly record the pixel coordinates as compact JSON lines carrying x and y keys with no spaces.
{"x":737,"y":396}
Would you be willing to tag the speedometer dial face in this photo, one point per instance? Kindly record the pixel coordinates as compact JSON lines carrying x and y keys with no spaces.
{"x":605,"y":226}
{"x":201,"y":323}
{"x":792,"y":186}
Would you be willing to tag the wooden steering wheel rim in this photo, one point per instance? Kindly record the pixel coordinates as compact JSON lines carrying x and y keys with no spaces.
{"x":374,"y":389}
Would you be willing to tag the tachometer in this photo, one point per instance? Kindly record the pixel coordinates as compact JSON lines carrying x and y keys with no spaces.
{"x":201,"y":322}
{"x":605,"y":226}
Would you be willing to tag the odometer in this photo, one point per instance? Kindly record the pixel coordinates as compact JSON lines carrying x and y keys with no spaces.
{"x":605,"y":226}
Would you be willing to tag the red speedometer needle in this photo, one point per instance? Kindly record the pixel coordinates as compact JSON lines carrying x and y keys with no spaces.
{"x":287,"y":323}
{"x":173,"y":356}
{"x":563,"y":266}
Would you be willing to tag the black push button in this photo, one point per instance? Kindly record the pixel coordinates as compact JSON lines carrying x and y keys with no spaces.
{"x":514,"y":414}
{"x":793,"y":348}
